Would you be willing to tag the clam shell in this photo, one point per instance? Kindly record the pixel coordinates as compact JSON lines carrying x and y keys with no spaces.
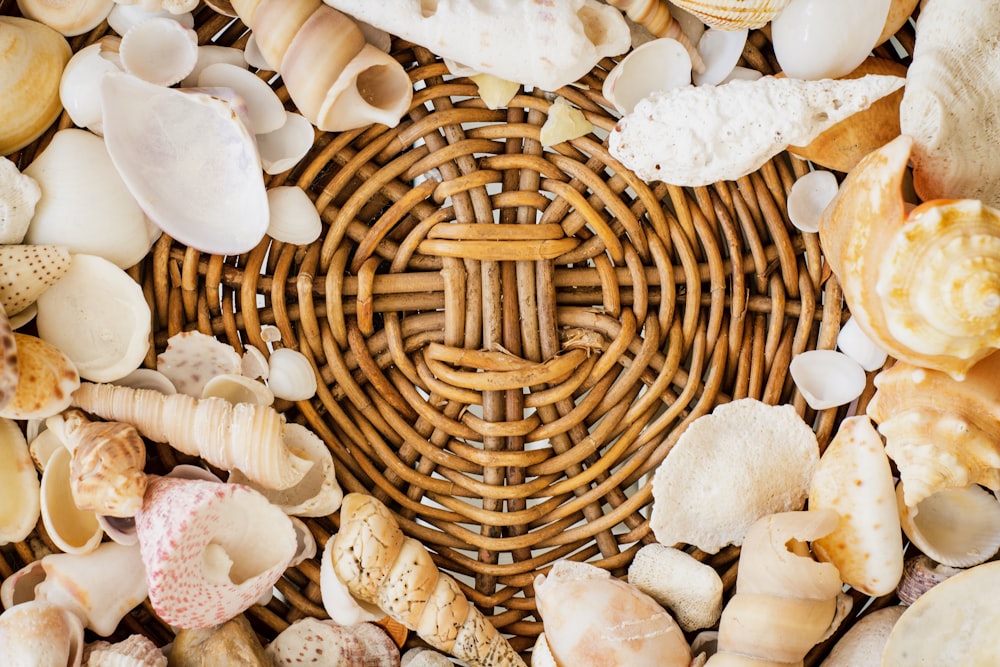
{"x":956,"y":526}
{"x":39,"y":634}
{"x":18,"y":196}
{"x":98,"y":316}
{"x":43,"y":446}
{"x":734,"y":14}
{"x":827,"y":378}
{"x":176,"y":151}
{"x":294,"y":218}
{"x":661,"y":64}
{"x":238,"y":389}
{"x":285,"y":147}
{"x":159,"y":50}
{"x":32,"y":58}
{"x":48,"y":380}
{"x":291,"y":375}
{"x":810,"y":194}
{"x":19,"y":487}
{"x":73,"y":530}
{"x":80,"y":86}
{"x":264,"y":107}
{"x":28,"y":270}
{"x":193,"y":358}
{"x":720,"y":51}
{"x":68,"y":18}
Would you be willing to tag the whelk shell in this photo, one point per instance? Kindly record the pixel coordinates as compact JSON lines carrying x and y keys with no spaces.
{"x":956,"y":526}
{"x":68,"y":18}
{"x":19,"y":487}
{"x":159,"y":50}
{"x":734,"y":14}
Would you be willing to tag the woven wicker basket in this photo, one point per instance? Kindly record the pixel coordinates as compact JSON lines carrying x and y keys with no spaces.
{"x":667,"y":302}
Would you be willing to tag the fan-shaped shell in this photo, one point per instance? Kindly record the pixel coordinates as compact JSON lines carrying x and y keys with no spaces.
{"x":734,"y":14}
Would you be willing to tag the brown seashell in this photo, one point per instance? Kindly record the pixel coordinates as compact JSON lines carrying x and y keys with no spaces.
{"x":842,"y":146}
{"x":396,"y":630}
{"x":47,"y":380}
{"x":106,"y":471}
{"x":920,"y":574}
{"x":135,"y":651}
{"x":8,"y":361}
{"x":899,"y":13}
{"x":28,"y":270}
{"x":734,"y":14}
{"x":233,"y":643}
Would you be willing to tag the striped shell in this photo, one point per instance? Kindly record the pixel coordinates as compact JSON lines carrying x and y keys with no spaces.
{"x":734,"y":14}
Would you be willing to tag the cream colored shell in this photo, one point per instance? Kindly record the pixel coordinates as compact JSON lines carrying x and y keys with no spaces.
{"x":69,"y":18}
{"x":19,"y":486}
{"x":734,"y":14}
{"x":133,"y":651}
{"x":690,"y":589}
{"x":18,"y":195}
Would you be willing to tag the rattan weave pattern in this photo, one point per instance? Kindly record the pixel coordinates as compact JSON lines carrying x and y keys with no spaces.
{"x":509,"y":338}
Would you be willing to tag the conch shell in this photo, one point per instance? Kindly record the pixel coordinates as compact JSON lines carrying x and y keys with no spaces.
{"x":941,"y":433}
{"x":244,"y":436}
{"x":337,"y":80}
{"x":734,"y":14}
{"x":923,"y":285}
{"x":382,"y":566}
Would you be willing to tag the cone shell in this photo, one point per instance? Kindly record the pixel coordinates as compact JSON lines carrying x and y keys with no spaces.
{"x":40,"y":633}
{"x":19,"y":487}
{"x":734,"y":14}
{"x":32,"y":59}
{"x":853,"y":479}
{"x":28,"y":270}
{"x":106,"y":470}
{"x":47,"y":380}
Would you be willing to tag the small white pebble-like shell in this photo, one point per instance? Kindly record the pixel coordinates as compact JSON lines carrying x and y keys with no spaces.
{"x":827,"y":378}
{"x":658,"y":65}
{"x":291,"y":375}
{"x":293,"y":215}
{"x":211,"y":54}
{"x":809,"y":196}
{"x":238,"y":389}
{"x":285,"y":147}
{"x":159,"y":50}
{"x":264,"y":107}
{"x":856,"y":344}
{"x":720,"y":50}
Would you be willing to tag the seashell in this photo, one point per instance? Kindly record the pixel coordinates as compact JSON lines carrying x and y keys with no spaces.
{"x":312,"y":640}
{"x":358,"y":84}
{"x":541,"y":46}
{"x":900,"y":12}
{"x":188,"y":471}
{"x":720,"y":50}
{"x":141,"y":119}
{"x":100,"y":587}
{"x":232,"y":643}
{"x":253,"y":364}
{"x":253,"y":56}
{"x":305,"y":543}
{"x":317,"y":493}
{"x":854,"y":480}
{"x":38,"y":634}
{"x":294,"y":218}
{"x":290,"y":375}
{"x":496,"y":93}
{"x":19,"y":587}
{"x":692,"y":136}
{"x":658,"y":18}
{"x":85,"y":207}
{"x":270,"y":333}
{"x":10,"y":373}
{"x":920,"y":286}
{"x":815,"y":39}
{"x":73,"y":530}
{"x":381,"y":566}
{"x":863,"y":644}
{"x":32,"y":58}
{"x":97,"y":315}
{"x":661,"y":64}
{"x":244,"y":436}
{"x":223,"y":7}
{"x":106,"y":469}
{"x":210,"y":549}
{"x":734,"y":14}
{"x":120,"y":530}
{"x":744,"y":461}
{"x":564,"y":123}
{"x":134,"y":651}
{"x":48,"y":380}
{"x":827,"y":378}
{"x":809,"y":195}
{"x":70,"y":19}
{"x":338,"y":601}
{"x":44,"y":445}
{"x":691,"y":590}
{"x":853,"y":342}
{"x":920,"y":574}
{"x":19,"y":508}
{"x":607,"y":618}
{"x":193,"y":358}
{"x":124,"y":16}
{"x":264,"y":107}
{"x":785,"y":602}
{"x":211,"y":54}
{"x":425,"y":657}
{"x":238,"y":389}
{"x":159,"y":50}
{"x":959,"y":527}
{"x":18,"y":196}
{"x":80,"y":86}
{"x":842,"y":146}
{"x":951,"y":624}
{"x":541,"y":653}
{"x":28,"y":270}
{"x":949,"y":87}
{"x":285,"y":147}
{"x":147,"y":378}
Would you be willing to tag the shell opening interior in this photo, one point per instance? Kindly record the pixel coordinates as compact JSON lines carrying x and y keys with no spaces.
{"x":593,"y":27}
{"x":23,"y":588}
{"x":76,"y":527}
{"x":378,"y":87}
{"x":241,"y":550}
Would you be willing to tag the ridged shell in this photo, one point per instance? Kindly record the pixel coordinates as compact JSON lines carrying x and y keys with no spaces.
{"x":39,"y":633}
{"x":734,"y":14}
{"x":958,"y":527}
{"x":312,"y":640}
{"x":920,"y":574}
{"x":106,"y":470}
{"x":19,"y":486}
{"x":134,"y":651}
{"x":68,"y":18}
{"x":47,"y":380}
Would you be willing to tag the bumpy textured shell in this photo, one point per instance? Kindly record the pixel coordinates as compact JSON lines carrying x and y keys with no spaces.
{"x":134,"y":651}
{"x":39,"y":633}
{"x":734,"y":14}
{"x":106,"y":471}
{"x":311,"y":640}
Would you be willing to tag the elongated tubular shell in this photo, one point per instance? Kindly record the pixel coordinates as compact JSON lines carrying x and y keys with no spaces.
{"x":243,"y":436}
{"x":734,"y":14}
{"x":940,"y":432}
{"x":335,"y":79}
{"x":924,"y":286}
{"x":382,"y":566}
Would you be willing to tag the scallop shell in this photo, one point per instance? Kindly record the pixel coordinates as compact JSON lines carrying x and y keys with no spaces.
{"x":291,"y":375}
{"x":19,"y":487}
{"x":32,"y":59}
{"x":40,"y":634}
{"x":285,"y":147}
{"x":734,"y":14}
{"x":49,"y":379}
{"x":264,"y":108}
{"x":212,"y":151}
{"x":193,"y":358}
{"x":159,"y":50}
{"x":134,"y":651}
{"x":106,"y":470}
{"x":68,"y":18}
{"x":18,"y":196}
{"x":957,"y":526}
{"x":73,"y":530}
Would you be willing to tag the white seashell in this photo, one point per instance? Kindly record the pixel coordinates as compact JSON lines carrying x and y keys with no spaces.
{"x":720,"y":51}
{"x":69,"y":18}
{"x":541,"y":653}
{"x":43,"y":446}
{"x":79,"y":88}
{"x":809,"y":196}
{"x":253,"y":364}
{"x":285,"y":147}
{"x":658,"y":65}
{"x":291,"y":375}
{"x":699,"y":135}
{"x":856,"y":344}
{"x":124,"y":16}
{"x":85,"y":206}
{"x":425,"y":657}
{"x":19,"y":587}
{"x":954,"y":526}
{"x":176,"y":151}
{"x":309,"y":640}
{"x":863,"y":644}
{"x":211,"y":54}
{"x":188,"y":471}
{"x":253,"y":56}
{"x":338,"y":601}
{"x":545,"y":46}
{"x":39,"y":634}
{"x":743,"y":74}
{"x":819,"y":39}
{"x":565,"y":122}
{"x":19,"y":193}
{"x":100,"y":587}
{"x":270,"y":333}
{"x":690,"y":589}
{"x":147,"y":378}
{"x":193,"y":358}
{"x":97,"y":315}
{"x":238,"y":389}
{"x":120,"y":529}
{"x":19,"y":487}
{"x":305,"y":542}
{"x":264,"y":107}
{"x":827,"y":378}
{"x":159,"y":50}
{"x":294,"y":218}
{"x":73,"y":530}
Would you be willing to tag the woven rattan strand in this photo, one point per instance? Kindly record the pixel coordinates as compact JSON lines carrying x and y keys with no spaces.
{"x":510,"y":338}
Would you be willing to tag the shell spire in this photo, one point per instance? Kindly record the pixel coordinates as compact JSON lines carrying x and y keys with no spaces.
{"x":244,"y":436}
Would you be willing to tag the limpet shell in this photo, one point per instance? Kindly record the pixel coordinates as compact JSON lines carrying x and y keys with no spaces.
{"x":19,"y":486}
{"x":159,"y":50}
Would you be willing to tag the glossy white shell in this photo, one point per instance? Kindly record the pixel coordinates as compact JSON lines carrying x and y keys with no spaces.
{"x":291,"y":375}
{"x":827,"y":378}
{"x":123,"y":16}
{"x":80,"y":86}
{"x":661,"y":64}
{"x":283,"y":148}
{"x":264,"y":107}
{"x":955,"y":526}
{"x":159,"y":50}
{"x":856,"y":344}
{"x":294,"y":218}
{"x":808,"y":197}
{"x":720,"y":50}
{"x":211,"y":54}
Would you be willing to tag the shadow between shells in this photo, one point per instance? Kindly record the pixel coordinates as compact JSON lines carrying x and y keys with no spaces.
{"x":510,"y":339}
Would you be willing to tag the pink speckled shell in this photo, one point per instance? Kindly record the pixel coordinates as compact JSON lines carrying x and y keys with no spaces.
{"x":180,"y":518}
